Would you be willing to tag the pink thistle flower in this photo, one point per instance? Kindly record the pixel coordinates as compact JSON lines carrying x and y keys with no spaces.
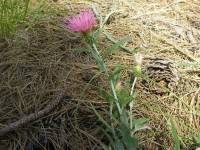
{"x":82,"y":22}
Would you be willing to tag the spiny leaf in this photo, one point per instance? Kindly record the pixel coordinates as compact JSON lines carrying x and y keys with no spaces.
{"x":108,"y":16}
{"x":124,"y":97}
{"x":109,"y":37}
{"x":140,"y":124}
{"x":99,"y":61}
{"x":98,"y":15}
{"x":96,"y":34}
{"x":103,"y":121}
{"x":129,"y":141}
{"x":117,"y":45}
{"x":106,"y":95}
{"x":115,"y":76}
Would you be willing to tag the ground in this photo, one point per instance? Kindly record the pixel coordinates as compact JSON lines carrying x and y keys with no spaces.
{"x":40,"y":60}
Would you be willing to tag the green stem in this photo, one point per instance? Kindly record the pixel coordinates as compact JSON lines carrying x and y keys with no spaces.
{"x":111,"y":81}
{"x":133,"y":85}
{"x":26,"y":7}
{"x":131,"y":104}
{"x":115,"y":96}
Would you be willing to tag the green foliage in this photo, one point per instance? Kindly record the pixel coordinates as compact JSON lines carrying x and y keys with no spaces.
{"x":115,"y":76}
{"x":99,"y":61}
{"x":11,"y":13}
{"x":139,"y":124}
{"x":117,"y":125}
{"x":175,"y":135}
{"x":197,"y":141}
{"x":96,"y":34}
{"x":14,"y":12}
{"x":120,"y":137}
{"x":109,"y":37}
{"x":124,"y":98}
{"x":118,"y":131}
{"x":106,"y":95}
{"x":117,"y":45}
{"x":128,"y":139}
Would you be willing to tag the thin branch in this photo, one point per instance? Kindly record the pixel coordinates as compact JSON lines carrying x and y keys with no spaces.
{"x":32,"y":117}
{"x":131,"y":103}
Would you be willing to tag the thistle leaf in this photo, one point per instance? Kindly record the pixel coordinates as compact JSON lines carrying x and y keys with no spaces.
{"x":140,"y":124}
{"x":117,"y":45}
{"x":115,"y":76}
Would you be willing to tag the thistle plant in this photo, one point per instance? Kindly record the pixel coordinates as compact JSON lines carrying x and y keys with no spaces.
{"x":120,"y":127}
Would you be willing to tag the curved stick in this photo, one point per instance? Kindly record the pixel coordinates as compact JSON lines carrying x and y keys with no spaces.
{"x":32,"y":117}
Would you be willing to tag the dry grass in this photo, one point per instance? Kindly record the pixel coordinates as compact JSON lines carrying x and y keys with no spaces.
{"x":39,"y":61}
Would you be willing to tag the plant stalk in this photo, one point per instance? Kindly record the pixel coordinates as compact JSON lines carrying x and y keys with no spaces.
{"x":111,"y":82}
{"x":131,"y":103}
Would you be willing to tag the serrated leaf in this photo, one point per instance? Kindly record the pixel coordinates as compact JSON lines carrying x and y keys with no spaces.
{"x":109,"y":37}
{"x":140,"y":124}
{"x":115,"y":76}
{"x":108,"y":16}
{"x":111,"y":140}
{"x":96,"y":34}
{"x":124,"y":119}
{"x":99,"y":61}
{"x":106,"y":95}
{"x":129,"y":141}
{"x":98,"y":15}
{"x":117,"y":45}
{"x":124,"y":97}
{"x":108,"y":127}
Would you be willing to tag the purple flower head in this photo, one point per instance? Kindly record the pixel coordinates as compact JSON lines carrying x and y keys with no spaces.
{"x":82,"y":22}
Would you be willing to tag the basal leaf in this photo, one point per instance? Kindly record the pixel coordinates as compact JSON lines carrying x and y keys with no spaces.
{"x":129,"y":141}
{"x":108,"y":127}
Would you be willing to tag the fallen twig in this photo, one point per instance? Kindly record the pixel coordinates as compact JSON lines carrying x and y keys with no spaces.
{"x":32,"y":117}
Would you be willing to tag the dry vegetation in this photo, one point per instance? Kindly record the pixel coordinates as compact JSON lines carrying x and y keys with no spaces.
{"x":39,"y":61}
